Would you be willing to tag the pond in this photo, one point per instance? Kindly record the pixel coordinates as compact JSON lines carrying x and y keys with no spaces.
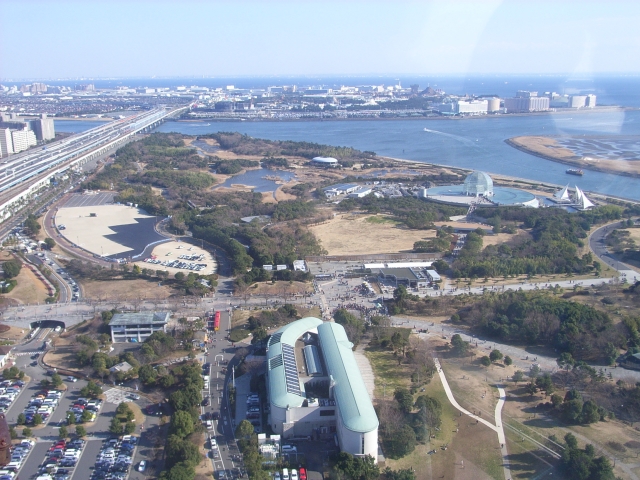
{"x":257,"y":181}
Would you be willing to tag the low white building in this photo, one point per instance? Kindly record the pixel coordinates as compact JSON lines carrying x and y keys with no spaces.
{"x":360,"y":192}
{"x":137,"y":327}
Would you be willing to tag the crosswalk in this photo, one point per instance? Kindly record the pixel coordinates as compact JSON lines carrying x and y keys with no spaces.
{"x":21,"y":354}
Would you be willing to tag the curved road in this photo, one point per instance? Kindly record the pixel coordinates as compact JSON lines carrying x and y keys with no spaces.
{"x":599,"y":247}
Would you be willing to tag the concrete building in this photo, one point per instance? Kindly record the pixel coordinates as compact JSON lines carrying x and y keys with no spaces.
{"x":523,"y":104}
{"x":137,"y":327}
{"x":591,"y":101}
{"x":411,"y":277}
{"x":471,"y":107}
{"x":23,"y":139}
{"x":360,"y":192}
{"x":493,"y":105}
{"x":6,"y":142}
{"x":340,"y":189}
{"x":577,"y":101}
{"x":319,"y":391}
{"x":44,"y":128}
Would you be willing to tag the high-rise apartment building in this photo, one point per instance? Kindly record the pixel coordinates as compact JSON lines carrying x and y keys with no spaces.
{"x":43,"y":128}
{"x":6,"y":142}
{"x":23,"y":139}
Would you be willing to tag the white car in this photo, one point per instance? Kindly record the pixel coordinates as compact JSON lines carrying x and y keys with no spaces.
{"x":72,"y":379}
{"x":142,"y":466}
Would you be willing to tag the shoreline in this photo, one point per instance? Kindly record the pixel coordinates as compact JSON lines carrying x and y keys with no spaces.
{"x":534,"y":184}
{"x":436,"y":117}
{"x":578,"y":164}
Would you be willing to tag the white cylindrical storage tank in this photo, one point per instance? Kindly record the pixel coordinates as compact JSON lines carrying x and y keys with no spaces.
{"x":493,"y":105}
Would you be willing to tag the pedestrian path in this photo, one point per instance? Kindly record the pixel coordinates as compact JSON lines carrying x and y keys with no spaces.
{"x":498,"y":417}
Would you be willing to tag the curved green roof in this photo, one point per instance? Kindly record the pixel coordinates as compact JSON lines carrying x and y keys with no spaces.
{"x":279,"y":394}
{"x":349,"y":391}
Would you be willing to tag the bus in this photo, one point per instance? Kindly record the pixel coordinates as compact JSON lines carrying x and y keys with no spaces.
{"x":216,"y":321}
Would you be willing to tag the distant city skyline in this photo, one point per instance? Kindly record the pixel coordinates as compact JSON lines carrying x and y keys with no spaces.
{"x":194,"y":38}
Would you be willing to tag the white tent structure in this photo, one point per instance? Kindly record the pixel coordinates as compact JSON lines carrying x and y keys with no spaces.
{"x":563,"y":195}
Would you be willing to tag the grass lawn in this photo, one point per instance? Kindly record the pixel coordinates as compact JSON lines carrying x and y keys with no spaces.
{"x":472,"y":451}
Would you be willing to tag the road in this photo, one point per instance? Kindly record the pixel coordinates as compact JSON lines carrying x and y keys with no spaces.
{"x":599,"y":247}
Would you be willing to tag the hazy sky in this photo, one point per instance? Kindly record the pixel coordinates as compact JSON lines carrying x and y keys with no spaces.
{"x":61,"y":38}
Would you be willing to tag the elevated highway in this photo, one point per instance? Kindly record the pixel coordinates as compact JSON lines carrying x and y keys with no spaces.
{"x":23,"y":175}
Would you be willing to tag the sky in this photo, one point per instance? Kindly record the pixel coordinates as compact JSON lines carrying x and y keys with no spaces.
{"x":137,"y":38}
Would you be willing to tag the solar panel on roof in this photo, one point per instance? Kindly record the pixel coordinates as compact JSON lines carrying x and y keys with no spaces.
{"x":275,"y":361}
{"x":275,"y":338}
{"x":290,"y":370}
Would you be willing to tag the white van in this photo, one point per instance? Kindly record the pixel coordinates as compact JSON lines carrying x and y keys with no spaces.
{"x":285,"y":474}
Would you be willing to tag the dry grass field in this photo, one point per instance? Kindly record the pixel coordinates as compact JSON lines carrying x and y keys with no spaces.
{"x":29,"y":289}
{"x":364,"y":234}
{"x":125,"y":290}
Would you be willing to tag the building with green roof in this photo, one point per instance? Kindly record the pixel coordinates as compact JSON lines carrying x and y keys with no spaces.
{"x":330,"y":400}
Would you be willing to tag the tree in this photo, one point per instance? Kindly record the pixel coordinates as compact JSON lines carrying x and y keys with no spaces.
{"x":13,"y":433}
{"x":86,"y":416}
{"x":518,"y":376}
{"x":545,"y":383}
{"x":180,"y":471}
{"x":404,"y":399}
{"x":56,"y":380}
{"x":115,"y":426}
{"x":11,"y":268}
{"x":32,"y":225}
{"x":485,"y":361}
{"x":590,"y":413}
{"x":244,"y":429}
{"x":402,"y":443}
{"x":459,"y":346}
{"x":495,"y":355}
{"x":182,"y":424}
{"x":571,"y":440}
{"x":508,"y":361}
{"x":26,"y":432}
{"x":50,"y":243}
{"x":22,"y":419}
{"x":37,"y":419}
{"x":179,"y":276}
{"x":565,"y":360}
{"x":129,"y":428}
{"x":91,"y":389}
{"x":81,"y":431}
{"x":62,"y":432}
{"x":71,"y":418}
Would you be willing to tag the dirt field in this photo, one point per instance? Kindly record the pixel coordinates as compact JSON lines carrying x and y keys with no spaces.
{"x":172,"y":250}
{"x":14,"y":334}
{"x":125,"y":290}
{"x":29,"y":290}
{"x":339,"y":235}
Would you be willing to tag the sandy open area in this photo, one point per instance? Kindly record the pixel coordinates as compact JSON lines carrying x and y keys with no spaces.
{"x":353,"y":234}
{"x":172,"y":250}
{"x":550,"y":149}
{"x":634,"y":234}
{"x":90,"y":232}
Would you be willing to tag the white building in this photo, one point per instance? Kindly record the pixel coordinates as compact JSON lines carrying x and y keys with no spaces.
{"x":472,"y":107}
{"x":137,"y":327}
{"x":526,"y":102}
{"x":325,"y":161}
{"x":6,"y":142}
{"x":360,"y":192}
{"x":23,"y":139}
{"x":577,"y":101}
{"x":303,"y":356}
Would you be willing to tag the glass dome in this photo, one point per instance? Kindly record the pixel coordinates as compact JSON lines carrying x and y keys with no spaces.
{"x":478,"y":184}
